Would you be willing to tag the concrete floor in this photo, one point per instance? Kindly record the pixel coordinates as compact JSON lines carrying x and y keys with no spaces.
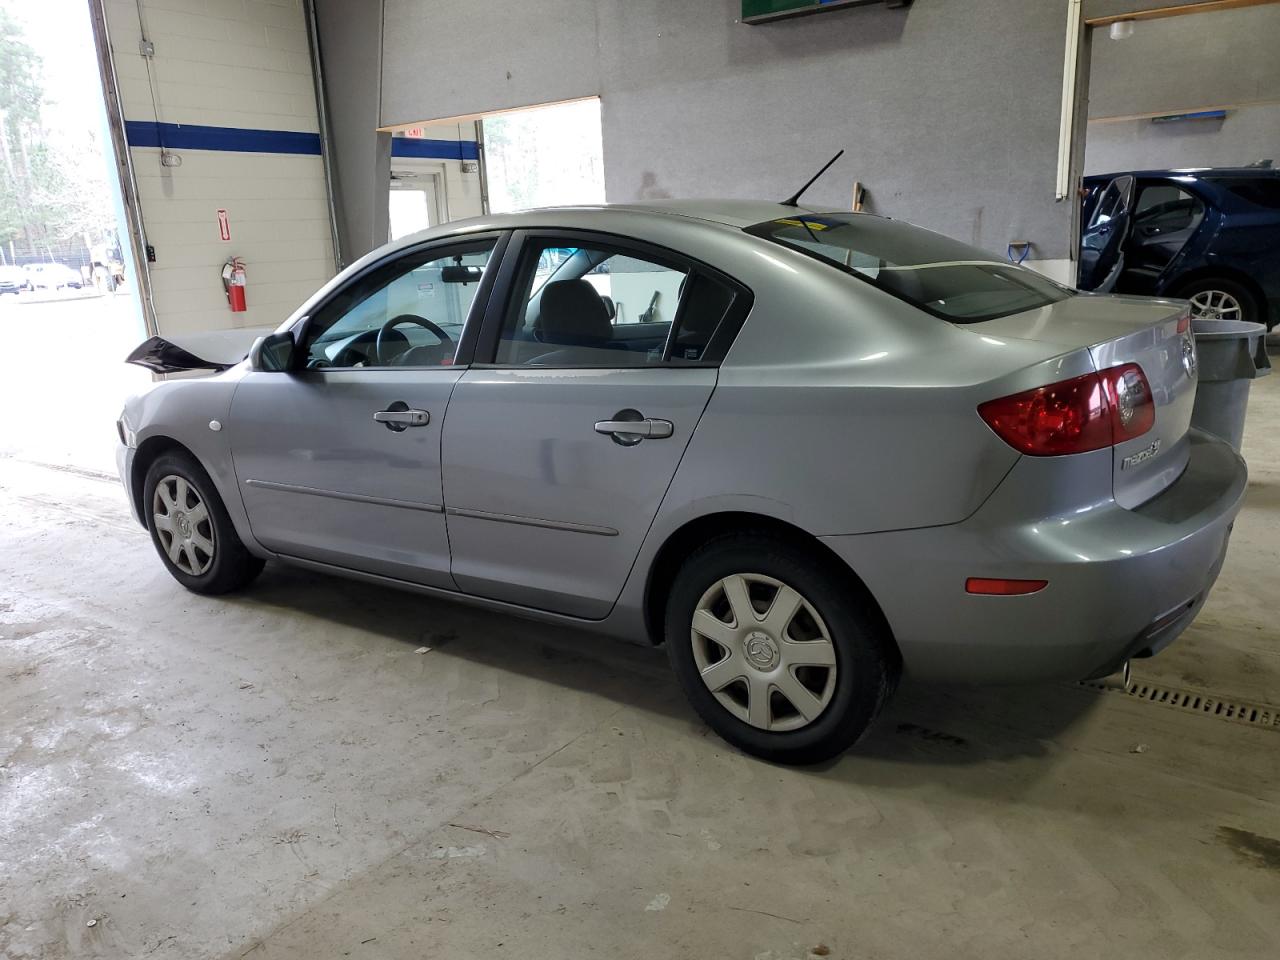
{"x":284,"y":775}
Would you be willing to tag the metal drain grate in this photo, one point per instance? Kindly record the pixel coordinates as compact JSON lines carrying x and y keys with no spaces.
{"x":1192,"y":702}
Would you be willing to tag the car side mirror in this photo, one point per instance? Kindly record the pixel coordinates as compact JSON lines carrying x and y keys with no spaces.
{"x":610,"y":307}
{"x":274,"y":353}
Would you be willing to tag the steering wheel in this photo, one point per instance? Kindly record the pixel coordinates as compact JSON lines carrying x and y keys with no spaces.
{"x":380,"y":343}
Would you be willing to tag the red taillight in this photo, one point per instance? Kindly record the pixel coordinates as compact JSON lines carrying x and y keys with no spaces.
{"x":1075,"y":416}
{"x":1001,"y":587}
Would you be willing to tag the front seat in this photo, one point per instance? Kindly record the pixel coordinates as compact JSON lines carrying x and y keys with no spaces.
{"x":572,"y":315}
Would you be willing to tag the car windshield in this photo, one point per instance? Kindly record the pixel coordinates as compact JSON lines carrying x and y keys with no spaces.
{"x":950,"y":280}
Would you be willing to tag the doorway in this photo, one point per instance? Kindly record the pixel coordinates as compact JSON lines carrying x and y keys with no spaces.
{"x":415,"y":200}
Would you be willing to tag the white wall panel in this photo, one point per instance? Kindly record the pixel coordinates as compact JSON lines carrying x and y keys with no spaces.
{"x":225,"y":64}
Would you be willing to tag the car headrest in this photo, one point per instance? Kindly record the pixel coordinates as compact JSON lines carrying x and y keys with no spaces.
{"x":572,"y":312}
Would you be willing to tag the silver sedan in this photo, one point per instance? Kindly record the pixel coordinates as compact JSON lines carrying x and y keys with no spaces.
{"x":807,"y":451}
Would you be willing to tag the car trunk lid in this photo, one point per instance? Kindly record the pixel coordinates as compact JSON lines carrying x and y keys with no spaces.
{"x":1155,"y":334}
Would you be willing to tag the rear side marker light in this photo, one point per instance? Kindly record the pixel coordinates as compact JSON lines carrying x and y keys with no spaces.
{"x":1000,"y":587}
{"x":1085,"y":413}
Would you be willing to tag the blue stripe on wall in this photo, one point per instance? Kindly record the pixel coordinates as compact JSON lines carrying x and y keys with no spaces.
{"x":187,"y":136}
{"x":435,"y":149}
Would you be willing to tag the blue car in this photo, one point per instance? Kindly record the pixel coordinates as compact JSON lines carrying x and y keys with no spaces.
{"x":1211,"y":236}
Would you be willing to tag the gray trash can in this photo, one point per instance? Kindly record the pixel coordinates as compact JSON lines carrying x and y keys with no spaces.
{"x":1232,"y":355}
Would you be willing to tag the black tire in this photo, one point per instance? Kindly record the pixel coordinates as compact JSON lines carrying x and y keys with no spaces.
{"x":866,"y":662}
{"x":1250,"y":309}
{"x":231,"y":565}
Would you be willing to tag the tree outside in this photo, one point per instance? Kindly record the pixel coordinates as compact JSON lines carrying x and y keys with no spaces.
{"x":55,"y":202}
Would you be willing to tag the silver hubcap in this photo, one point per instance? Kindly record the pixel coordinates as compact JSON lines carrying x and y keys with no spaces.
{"x":182,"y":521}
{"x":764,"y":652}
{"x":1216,"y":305}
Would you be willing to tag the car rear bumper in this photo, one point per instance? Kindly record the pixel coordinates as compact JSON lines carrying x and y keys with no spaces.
{"x":1121,"y":583}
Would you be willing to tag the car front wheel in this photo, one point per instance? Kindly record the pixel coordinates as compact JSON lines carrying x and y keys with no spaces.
{"x":775,"y":651}
{"x":191,"y":529}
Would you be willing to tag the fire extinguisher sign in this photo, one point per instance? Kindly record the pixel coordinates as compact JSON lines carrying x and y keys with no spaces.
{"x":224,"y":226}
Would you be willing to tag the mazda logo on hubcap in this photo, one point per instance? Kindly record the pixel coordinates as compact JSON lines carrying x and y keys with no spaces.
{"x":760,"y":651}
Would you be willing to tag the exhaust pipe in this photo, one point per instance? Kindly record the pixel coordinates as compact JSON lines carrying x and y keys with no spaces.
{"x":1121,"y":680}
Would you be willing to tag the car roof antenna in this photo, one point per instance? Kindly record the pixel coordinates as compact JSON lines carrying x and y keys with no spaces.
{"x":794,"y":199}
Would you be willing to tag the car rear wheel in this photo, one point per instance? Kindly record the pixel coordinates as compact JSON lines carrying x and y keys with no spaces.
{"x":776,"y":652}
{"x":191,"y":529}
{"x":1220,"y":299}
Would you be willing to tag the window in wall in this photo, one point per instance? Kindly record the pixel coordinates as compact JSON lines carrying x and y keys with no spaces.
{"x":545,"y":157}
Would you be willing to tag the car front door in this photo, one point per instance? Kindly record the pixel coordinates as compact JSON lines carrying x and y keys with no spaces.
{"x":557,"y":454}
{"x":1103,"y":239}
{"x":338,"y":456}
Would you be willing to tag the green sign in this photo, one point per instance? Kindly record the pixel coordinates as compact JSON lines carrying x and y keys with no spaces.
{"x":762,"y":11}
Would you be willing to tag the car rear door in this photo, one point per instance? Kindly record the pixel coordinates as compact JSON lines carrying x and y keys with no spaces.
{"x":557,"y":453}
{"x":1103,"y":239}
{"x":338,"y":458}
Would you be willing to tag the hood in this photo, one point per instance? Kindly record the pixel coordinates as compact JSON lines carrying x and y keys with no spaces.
{"x":208,"y":350}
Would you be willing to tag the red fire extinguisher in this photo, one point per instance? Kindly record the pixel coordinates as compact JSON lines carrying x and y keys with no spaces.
{"x":233,"y":284}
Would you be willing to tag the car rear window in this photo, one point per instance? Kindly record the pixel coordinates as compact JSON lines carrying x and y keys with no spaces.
{"x":948,"y":279}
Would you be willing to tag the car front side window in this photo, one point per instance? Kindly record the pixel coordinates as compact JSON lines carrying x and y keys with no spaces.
{"x":408,"y":313}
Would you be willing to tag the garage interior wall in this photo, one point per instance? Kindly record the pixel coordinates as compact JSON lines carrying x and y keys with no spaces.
{"x":349,"y":36}
{"x":230,"y":93}
{"x":696,"y":104}
{"x":1225,"y":59}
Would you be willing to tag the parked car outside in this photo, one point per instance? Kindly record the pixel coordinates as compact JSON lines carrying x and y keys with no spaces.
{"x":844,"y":447}
{"x":1211,"y":236}
{"x":52,"y":276}
{"x":12,"y":280}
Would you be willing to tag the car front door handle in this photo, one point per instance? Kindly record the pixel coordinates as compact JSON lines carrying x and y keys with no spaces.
{"x":400,"y":416}
{"x":633,"y":431}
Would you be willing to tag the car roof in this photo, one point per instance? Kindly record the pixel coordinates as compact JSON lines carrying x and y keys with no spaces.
{"x":731,"y":213}
{"x":1199,"y":173}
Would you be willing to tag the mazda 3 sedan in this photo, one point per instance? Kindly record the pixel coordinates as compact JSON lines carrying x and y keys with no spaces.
{"x":806,"y":451}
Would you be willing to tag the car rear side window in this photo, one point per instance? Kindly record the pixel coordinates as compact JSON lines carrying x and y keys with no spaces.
{"x":595,"y":305}
{"x":948,"y":279}
{"x":1261,"y":192}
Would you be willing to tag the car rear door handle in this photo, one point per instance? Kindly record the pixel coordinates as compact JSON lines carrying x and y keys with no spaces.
{"x":635,"y":430}
{"x":400,"y":416}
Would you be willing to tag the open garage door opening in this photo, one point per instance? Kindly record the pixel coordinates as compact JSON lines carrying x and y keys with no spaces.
{"x":1181,"y":195}
{"x":67,"y":278}
{"x":540,"y":156}
{"x":545,"y":156}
